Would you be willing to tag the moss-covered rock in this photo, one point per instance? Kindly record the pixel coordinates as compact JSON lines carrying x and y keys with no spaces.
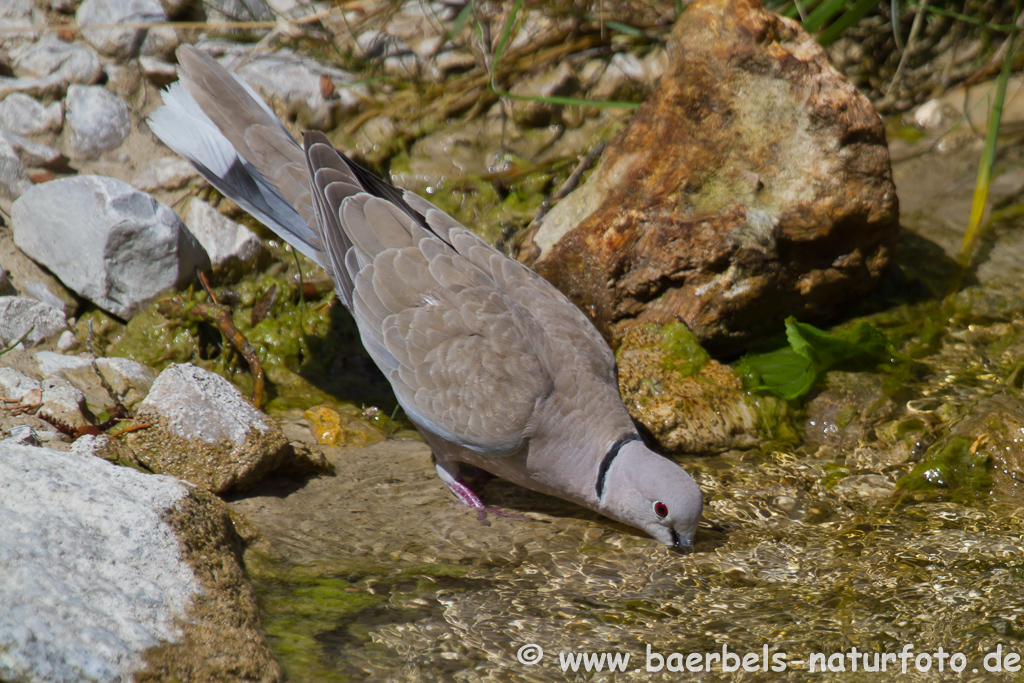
{"x":689,"y":402}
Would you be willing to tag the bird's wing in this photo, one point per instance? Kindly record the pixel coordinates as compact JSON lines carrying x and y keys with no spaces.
{"x":458,"y":349}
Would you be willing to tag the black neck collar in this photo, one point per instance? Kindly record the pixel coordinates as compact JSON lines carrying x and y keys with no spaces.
{"x":606,"y":462}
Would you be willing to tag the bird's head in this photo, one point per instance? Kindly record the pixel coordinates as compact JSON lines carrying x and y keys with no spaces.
{"x":652,"y":493}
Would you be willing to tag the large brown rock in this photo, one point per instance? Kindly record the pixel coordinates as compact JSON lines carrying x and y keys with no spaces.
{"x":753,"y":184}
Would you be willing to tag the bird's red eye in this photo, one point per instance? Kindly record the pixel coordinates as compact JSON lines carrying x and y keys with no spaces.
{"x":660,"y":509}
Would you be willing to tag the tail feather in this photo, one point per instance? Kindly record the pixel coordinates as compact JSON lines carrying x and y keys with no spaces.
{"x":241,"y":150}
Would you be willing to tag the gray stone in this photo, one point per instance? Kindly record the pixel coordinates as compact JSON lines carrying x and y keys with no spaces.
{"x":175,"y":7}
{"x":33,"y":153}
{"x":49,"y":66}
{"x":160,"y":43}
{"x":165,"y":173}
{"x":97,"y":120}
{"x":455,"y":60}
{"x":625,"y":75}
{"x":93,"y":575}
{"x":14,"y":180}
{"x":22,"y":435}
{"x":107,"y":241}
{"x":17,"y":16}
{"x":19,"y":315}
{"x":560,"y":80}
{"x":67,"y":341}
{"x":241,"y":10}
{"x":16,"y":385}
{"x":204,"y":431}
{"x":118,"y":42}
{"x":28,"y":279}
{"x":130,"y":380}
{"x":64,"y":401}
{"x":110,"y":574}
{"x":157,"y":70}
{"x":232,"y":247}
{"x":291,"y":83}
{"x":65,"y":6}
{"x":25,"y":115}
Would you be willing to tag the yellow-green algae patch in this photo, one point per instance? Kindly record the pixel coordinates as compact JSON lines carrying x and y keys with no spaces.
{"x":310,"y":349}
{"x":312,"y":613}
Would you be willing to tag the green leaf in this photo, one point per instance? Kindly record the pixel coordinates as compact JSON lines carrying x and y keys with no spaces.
{"x":791,"y":372}
{"x":784,"y":373}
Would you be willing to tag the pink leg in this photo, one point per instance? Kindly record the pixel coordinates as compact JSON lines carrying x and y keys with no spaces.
{"x":449,"y":475}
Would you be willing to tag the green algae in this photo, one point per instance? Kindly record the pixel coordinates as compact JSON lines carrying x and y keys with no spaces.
{"x":310,"y":613}
{"x":949,"y":465}
{"x":309,"y":349}
{"x":684,"y":355}
{"x":495,"y":204}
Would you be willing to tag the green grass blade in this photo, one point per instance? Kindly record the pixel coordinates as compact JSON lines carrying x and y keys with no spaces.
{"x":460,"y":20}
{"x":987,"y":161}
{"x":894,"y":12}
{"x":848,"y":19}
{"x":626,"y":29}
{"x":506,"y":32}
{"x":969,"y":19}
{"x":569,"y":101}
{"x":822,"y":13}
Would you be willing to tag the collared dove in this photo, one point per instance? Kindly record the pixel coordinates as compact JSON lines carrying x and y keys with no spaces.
{"x":494,"y":366}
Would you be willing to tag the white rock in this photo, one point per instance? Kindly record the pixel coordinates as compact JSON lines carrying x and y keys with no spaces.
{"x":157,"y":70}
{"x":16,"y":385}
{"x":160,"y":43}
{"x":455,"y":60}
{"x":624,"y":70}
{"x":232,"y":247}
{"x":122,"y":374}
{"x":107,"y":241}
{"x":28,"y":279}
{"x":241,"y":10}
{"x":92,"y":574}
{"x":18,"y":315}
{"x":50,"y":65}
{"x":118,"y":42}
{"x":64,"y":401}
{"x":16,"y":16}
{"x":97,"y":120}
{"x":67,"y":341}
{"x":204,"y":431}
{"x":22,"y":435}
{"x":14,"y":180}
{"x":929,"y":116}
{"x":25,"y":115}
{"x":165,"y":173}
{"x":32,"y":153}
{"x":199,"y":404}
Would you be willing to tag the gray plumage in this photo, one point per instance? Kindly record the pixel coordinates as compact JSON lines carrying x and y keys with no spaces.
{"x":494,"y":366}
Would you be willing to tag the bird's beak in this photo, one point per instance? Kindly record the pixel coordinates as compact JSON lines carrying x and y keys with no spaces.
{"x":680,"y":545}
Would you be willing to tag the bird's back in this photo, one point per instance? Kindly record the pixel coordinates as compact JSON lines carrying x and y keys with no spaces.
{"x":477,"y":346}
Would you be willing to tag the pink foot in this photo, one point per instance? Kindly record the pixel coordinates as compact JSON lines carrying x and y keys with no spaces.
{"x":467,"y":497}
